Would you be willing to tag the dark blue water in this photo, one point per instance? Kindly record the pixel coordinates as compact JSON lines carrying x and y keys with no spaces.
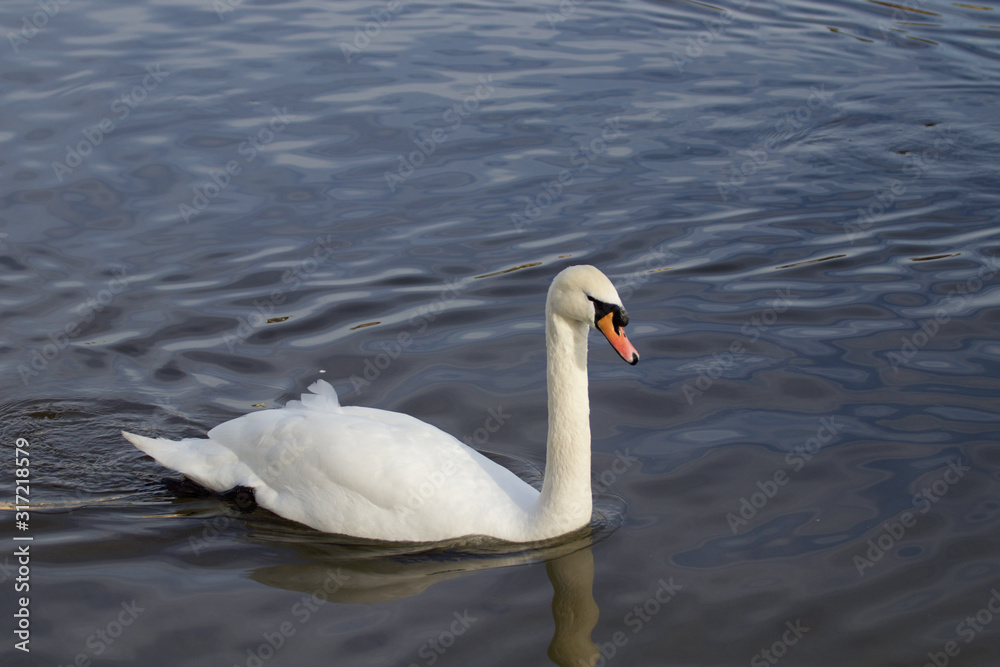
{"x":206,"y":206}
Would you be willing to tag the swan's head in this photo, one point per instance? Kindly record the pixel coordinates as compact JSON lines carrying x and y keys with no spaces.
{"x":585,"y":294}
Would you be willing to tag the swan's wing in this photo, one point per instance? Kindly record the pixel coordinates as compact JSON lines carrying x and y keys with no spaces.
{"x":327,"y":467}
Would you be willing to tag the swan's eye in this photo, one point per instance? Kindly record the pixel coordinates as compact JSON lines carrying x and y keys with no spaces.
{"x":621,"y":316}
{"x":601,"y":309}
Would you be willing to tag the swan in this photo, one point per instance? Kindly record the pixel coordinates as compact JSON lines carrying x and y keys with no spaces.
{"x":390,"y":477}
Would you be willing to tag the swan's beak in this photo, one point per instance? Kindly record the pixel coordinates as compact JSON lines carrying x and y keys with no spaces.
{"x":616,"y":336}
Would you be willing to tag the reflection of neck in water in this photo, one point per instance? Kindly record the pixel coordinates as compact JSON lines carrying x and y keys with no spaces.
{"x":574,"y":610}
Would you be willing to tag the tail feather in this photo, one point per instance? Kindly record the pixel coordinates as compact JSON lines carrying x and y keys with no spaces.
{"x":323,"y":398}
{"x":206,"y":462}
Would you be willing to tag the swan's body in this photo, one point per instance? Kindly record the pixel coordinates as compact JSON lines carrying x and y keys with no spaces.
{"x":389,"y":476}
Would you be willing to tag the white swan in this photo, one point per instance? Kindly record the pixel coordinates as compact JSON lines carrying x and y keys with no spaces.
{"x":389,"y":476}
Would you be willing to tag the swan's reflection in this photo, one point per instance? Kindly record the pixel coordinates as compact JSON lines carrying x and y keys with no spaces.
{"x":360,"y":573}
{"x":349,"y":570}
{"x":573,"y":609}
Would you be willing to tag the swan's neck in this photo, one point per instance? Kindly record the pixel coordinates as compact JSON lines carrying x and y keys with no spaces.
{"x":565,"y":503}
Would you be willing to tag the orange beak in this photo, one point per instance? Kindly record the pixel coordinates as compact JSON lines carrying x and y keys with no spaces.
{"x":616,"y":336}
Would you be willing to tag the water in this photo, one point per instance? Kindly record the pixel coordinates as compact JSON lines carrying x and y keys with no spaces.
{"x":207,"y":206}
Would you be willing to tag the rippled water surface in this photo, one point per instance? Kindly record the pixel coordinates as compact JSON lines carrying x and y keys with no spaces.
{"x":206,"y":206}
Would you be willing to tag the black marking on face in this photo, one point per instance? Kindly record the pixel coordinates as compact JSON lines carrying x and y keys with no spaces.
{"x":601,"y":309}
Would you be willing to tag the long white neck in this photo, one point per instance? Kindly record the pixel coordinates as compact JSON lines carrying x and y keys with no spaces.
{"x":565,"y":503}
